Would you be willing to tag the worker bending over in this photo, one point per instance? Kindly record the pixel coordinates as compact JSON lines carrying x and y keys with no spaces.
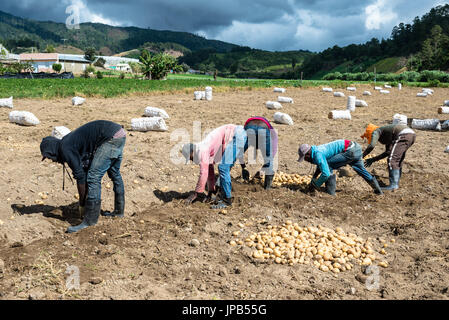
{"x":90,"y":151}
{"x":397,"y":138}
{"x":332,"y":156}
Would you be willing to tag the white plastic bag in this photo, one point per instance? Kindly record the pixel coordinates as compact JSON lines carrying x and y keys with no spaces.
{"x":200,"y":95}
{"x":428,"y":91}
{"x":6,"y":103}
{"x":273,"y":105}
{"x":387,"y":86}
{"x":148,"y":124}
{"x":156,"y":112}
{"x":340,"y":114}
{"x":285,"y":100}
{"x":426,"y":124}
{"x":446,"y":103}
{"x":422,"y":94}
{"x":283,"y":118}
{"x":443,"y":110}
{"x":399,"y":86}
{"x":23,"y":118}
{"x":351,"y":103}
{"x":400,"y":119}
{"x":384,"y":91}
{"x":351,"y":88}
{"x":366,"y":93}
{"x":447,"y":149}
{"x":208,"y":93}
{"x":378,"y":88}
{"x":339,"y":94}
{"x":281,"y":90}
{"x":328,"y":89}
{"x":77,"y":101}
{"x":361,"y":103}
{"x":60,"y":132}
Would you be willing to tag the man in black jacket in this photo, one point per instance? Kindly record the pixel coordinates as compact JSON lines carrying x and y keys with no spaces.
{"x":90,"y":151}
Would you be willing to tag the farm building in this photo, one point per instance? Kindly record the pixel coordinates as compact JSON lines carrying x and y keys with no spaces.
{"x":74,"y":63}
{"x":42,"y":62}
{"x":6,"y":57}
{"x":118,"y":63}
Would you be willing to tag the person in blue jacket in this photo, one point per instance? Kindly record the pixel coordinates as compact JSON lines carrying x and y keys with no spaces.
{"x":332,"y":156}
{"x":91,"y":151}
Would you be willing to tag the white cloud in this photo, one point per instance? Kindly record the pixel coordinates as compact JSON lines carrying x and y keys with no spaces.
{"x":378,"y":14}
{"x":86,"y":15}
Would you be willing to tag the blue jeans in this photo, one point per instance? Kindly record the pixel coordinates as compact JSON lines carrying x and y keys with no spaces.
{"x":352,"y":157}
{"x":107,"y":158}
{"x":260,"y":138}
{"x":233,"y":151}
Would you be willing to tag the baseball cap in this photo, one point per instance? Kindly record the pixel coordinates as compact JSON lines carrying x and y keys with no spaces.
{"x":303,"y":149}
{"x":187,"y":149}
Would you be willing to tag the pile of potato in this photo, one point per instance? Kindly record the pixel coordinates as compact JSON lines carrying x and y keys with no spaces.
{"x":284,"y":179}
{"x":327,"y":249}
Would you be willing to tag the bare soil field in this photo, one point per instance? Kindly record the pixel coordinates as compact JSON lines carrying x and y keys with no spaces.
{"x":150,"y":254}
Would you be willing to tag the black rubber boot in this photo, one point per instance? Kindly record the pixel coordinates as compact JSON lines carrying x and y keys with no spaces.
{"x":268,"y":182}
{"x":395,"y":175}
{"x":119,"y":207}
{"x":331,"y":185}
{"x":91,"y":215}
{"x":375,"y":185}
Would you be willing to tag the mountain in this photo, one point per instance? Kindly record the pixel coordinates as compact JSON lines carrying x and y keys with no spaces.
{"x":18,"y":33}
{"x":421,"y":45}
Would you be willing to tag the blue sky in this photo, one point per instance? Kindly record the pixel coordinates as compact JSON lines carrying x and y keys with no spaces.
{"x":265,"y":24}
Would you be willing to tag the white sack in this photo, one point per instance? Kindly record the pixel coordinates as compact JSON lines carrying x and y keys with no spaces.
{"x":6,"y":103}
{"x":273,"y":105}
{"x":208,"y":93}
{"x":351,"y":103}
{"x":447,"y":150}
{"x":351,"y":89}
{"x":428,"y":91}
{"x":283,"y":118}
{"x":361,"y":103}
{"x":156,"y":112}
{"x":77,"y":101}
{"x":366,"y":93}
{"x":443,"y":110}
{"x":200,"y":95}
{"x":328,"y":89}
{"x":378,"y":88}
{"x":384,"y":91}
{"x":339,"y":94}
{"x":24,"y":118}
{"x":426,"y":124}
{"x":422,"y":94}
{"x":446,"y":103}
{"x":340,"y":114}
{"x":387,"y":86}
{"x":148,"y":124}
{"x":281,"y":90}
{"x":60,"y":132}
{"x":400,"y":86}
{"x":285,"y":100}
{"x":400,"y":119}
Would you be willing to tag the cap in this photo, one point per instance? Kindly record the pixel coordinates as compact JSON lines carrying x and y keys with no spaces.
{"x":187,"y":149}
{"x":369,"y":132}
{"x":303,"y":149}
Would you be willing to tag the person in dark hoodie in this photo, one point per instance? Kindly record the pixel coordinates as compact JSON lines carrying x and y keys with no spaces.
{"x":90,"y":151}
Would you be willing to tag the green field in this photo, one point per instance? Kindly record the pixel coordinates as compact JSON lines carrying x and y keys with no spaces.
{"x":114,"y":87}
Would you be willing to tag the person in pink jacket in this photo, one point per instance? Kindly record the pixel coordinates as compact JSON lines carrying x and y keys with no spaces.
{"x":206,"y":154}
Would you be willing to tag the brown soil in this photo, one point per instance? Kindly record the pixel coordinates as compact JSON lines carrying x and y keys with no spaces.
{"x":150,"y":254}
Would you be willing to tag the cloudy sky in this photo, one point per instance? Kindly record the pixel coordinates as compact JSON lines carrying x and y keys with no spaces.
{"x":275,"y":25}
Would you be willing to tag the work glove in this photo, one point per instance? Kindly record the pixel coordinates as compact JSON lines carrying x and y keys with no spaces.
{"x":311,"y":188}
{"x":208,"y":198}
{"x":191,"y":198}
{"x":245,"y":174}
{"x":369,"y":162}
{"x":81,"y":211}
